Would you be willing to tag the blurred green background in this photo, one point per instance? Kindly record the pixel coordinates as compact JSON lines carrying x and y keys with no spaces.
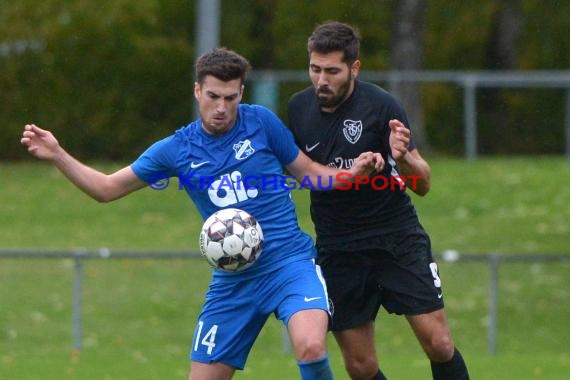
{"x":109,"y":78}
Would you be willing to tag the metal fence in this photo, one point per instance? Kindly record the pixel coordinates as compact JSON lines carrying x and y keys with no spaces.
{"x":79,"y":256}
{"x":266,"y":90}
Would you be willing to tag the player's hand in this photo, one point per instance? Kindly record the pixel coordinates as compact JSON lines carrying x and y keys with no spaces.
{"x":399,"y":139}
{"x":40,"y":143}
{"x":366,"y":163}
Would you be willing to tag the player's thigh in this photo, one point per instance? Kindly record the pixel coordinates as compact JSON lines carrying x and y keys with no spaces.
{"x":433,"y":333}
{"x":308,"y":324}
{"x":358,"y":343}
{"x":299,"y":292}
{"x":218,"y":371}
{"x":428,"y":324}
{"x":307,"y":331}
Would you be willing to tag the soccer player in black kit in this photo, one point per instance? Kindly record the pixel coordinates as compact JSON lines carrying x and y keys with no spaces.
{"x":371,"y":246}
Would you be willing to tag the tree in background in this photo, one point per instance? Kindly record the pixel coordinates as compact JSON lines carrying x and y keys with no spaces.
{"x":107,"y":77}
{"x":501,"y":53}
{"x":407,"y":53}
{"x":110,"y":77}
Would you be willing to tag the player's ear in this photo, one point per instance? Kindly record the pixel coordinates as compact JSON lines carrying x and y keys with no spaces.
{"x":355,"y":68}
{"x":197,"y":90}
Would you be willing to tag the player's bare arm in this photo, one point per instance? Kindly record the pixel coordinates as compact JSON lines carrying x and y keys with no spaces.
{"x":364,"y":164}
{"x":409,"y":162}
{"x":100,"y":186}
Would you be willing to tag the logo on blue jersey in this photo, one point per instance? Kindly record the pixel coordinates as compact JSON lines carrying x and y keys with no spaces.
{"x":243,"y":149}
{"x":352,"y":130}
{"x":230,"y":189}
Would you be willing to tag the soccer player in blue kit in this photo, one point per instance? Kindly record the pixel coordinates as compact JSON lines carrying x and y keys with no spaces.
{"x":371,"y":246}
{"x":227,"y":144}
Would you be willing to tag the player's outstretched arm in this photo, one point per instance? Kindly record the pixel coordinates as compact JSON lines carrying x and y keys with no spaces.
{"x":100,"y":186}
{"x":303,"y":167}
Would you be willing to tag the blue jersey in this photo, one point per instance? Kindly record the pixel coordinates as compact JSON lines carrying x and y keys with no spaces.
{"x":242,"y":168}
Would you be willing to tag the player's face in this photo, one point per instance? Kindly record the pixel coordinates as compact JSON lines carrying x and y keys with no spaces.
{"x":332,"y":78}
{"x":218,"y":102}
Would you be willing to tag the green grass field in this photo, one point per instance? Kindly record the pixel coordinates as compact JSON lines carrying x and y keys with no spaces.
{"x":139,"y":315}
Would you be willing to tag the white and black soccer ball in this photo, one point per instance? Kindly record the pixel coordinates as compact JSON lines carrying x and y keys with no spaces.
{"x":231,"y":240}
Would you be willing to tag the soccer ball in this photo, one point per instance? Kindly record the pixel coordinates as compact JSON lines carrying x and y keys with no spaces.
{"x":231,"y":240}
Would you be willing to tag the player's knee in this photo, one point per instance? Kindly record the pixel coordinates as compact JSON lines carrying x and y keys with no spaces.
{"x":440,"y":348}
{"x":312,"y":350}
{"x":362,"y":367}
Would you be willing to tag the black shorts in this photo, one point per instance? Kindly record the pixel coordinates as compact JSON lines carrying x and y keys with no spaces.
{"x":400,"y":274}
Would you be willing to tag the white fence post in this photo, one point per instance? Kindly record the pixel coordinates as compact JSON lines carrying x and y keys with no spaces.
{"x":77,"y":301}
{"x":567,"y":122}
{"x":493,"y":303}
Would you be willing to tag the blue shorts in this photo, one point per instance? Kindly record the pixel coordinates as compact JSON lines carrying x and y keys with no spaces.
{"x":236,"y":310}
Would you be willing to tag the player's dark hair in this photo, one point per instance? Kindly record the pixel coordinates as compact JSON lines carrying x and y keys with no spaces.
{"x":335,"y":36}
{"x":223,"y":64}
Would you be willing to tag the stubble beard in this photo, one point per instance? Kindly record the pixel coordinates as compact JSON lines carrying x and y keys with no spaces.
{"x":336,"y":100}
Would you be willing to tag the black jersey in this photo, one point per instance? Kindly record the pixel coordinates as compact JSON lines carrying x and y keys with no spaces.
{"x":360,"y":124}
